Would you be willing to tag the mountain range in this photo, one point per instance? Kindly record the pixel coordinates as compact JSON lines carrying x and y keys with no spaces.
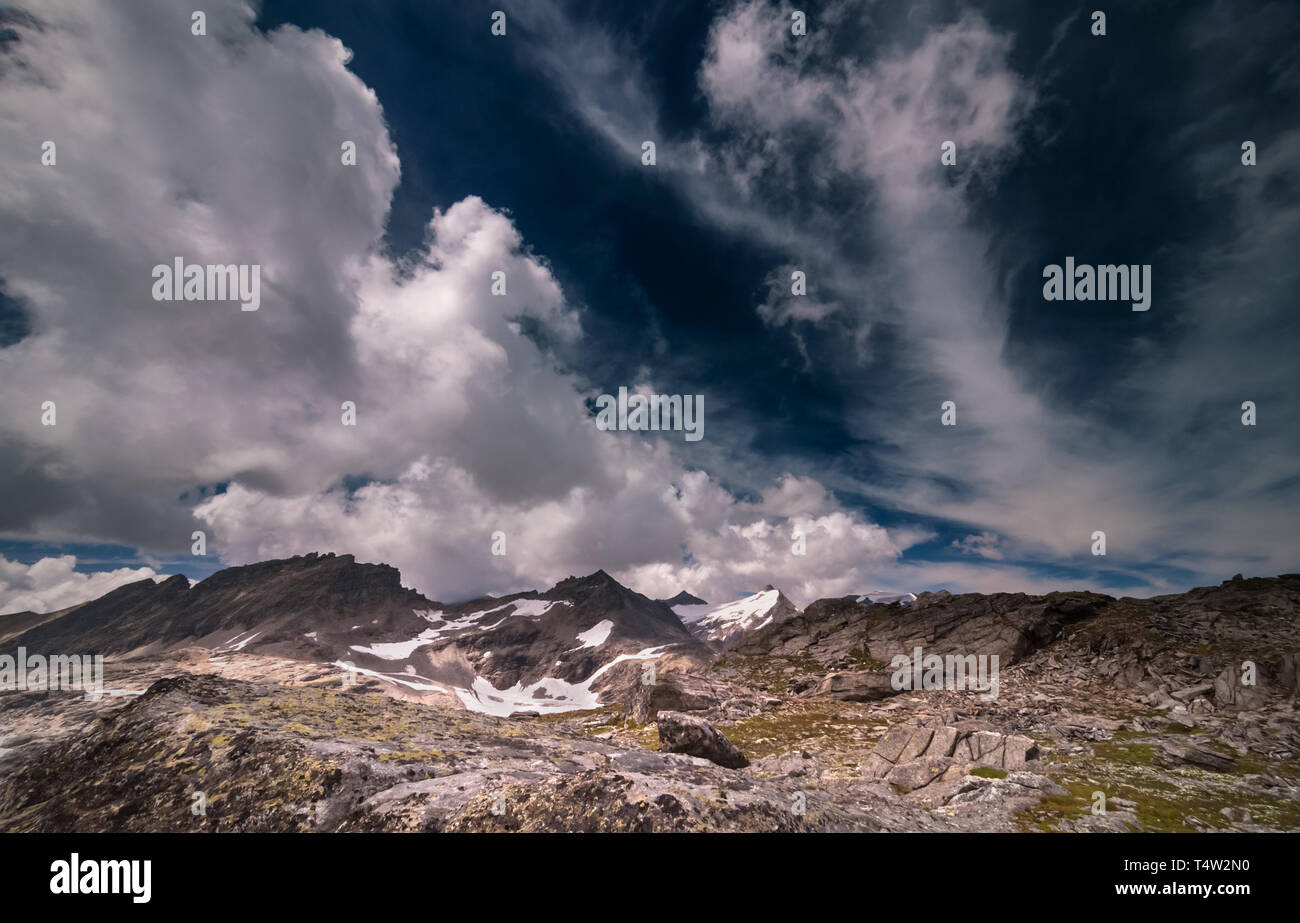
{"x":359,"y":704}
{"x":545,"y":651}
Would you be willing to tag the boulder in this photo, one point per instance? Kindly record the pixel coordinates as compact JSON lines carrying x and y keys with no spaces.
{"x":1191,"y":692}
{"x":679,"y":733}
{"x":1229,"y":692}
{"x":1176,"y":753}
{"x":919,"y":773}
{"x":644,"y":701}
{"x":890,"y":747}
{"x":861,"y":686}
{"x":918,"y":745}
{"x":907,"y":747}
{"x":1017,"y":751}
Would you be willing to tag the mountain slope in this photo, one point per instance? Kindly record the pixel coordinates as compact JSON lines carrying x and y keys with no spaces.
{"x":723,"y":626}
{"x":549,"y":651}
{"x":841,"y":633}
{"x":274,"y":604}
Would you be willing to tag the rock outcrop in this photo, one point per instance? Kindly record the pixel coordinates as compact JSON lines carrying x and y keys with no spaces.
{"x":844,"y":633}
{"x":679,"y":733}
{"x":859,"y":686}
{"x":913,"y":757}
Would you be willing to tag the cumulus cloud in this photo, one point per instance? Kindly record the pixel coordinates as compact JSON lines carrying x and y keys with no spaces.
{"x":179,"y":415}
{"x":55,"y":583}
{"x":218,"y":149}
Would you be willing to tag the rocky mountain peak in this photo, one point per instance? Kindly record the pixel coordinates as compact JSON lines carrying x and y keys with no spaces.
{"x":723,"y":626}
{"x":597,"y":587}
{"x":684,"y":599}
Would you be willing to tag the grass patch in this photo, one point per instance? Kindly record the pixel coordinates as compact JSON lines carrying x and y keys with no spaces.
{"x":1165,"y":799}
{"x":829,"y":725}
{"x":772,"y":673}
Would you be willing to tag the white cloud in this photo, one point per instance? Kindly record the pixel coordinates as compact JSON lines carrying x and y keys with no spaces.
{"x":464,"y":425}
{"x":984,"y":545}
{"x":54,"y":583}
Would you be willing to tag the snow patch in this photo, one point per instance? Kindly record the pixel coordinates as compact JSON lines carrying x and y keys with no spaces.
{"x":692,"y":613}
{"x":398,"y":650}
{"x":532,"y":608}
{"x":559,"y":695}
{"x":427,"y":685}
{"x":237,"y":643}
{"x":596,"y":635}
{"x":748,"y":612}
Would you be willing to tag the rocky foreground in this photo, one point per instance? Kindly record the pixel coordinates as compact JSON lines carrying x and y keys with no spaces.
{"x":1109,"y":715}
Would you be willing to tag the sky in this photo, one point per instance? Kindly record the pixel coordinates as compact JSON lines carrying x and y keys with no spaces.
{"x":825,"y":467}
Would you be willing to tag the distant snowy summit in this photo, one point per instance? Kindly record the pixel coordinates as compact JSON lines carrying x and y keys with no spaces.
{"x":903,"y":599}
{"x":720,"y":626}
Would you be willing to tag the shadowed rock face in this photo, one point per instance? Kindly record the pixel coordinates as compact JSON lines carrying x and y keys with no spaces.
{"x":1008,"y":625}
{"x":282,"y":601}
{"x":15,"y":623}
{"x":684,"y":599}
{"x":525,"y":649}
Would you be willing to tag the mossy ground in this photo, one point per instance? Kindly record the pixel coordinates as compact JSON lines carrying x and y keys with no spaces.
{"x":1167,"y":799}
{"x":773,"y":674}
{"x":820,"y":725}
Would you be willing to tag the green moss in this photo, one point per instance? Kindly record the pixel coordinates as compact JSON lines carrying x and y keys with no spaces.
{"x":772,"y":673}
{"x":862,"y":659}
{"x":607,"y":713}
{"x":647,"y":735}
{"x":836,"y":725}
{"x":1165,"y":798}
{"x":1050,"y":810}
{"x":412,"y":756}
{"x":988,"y":772}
